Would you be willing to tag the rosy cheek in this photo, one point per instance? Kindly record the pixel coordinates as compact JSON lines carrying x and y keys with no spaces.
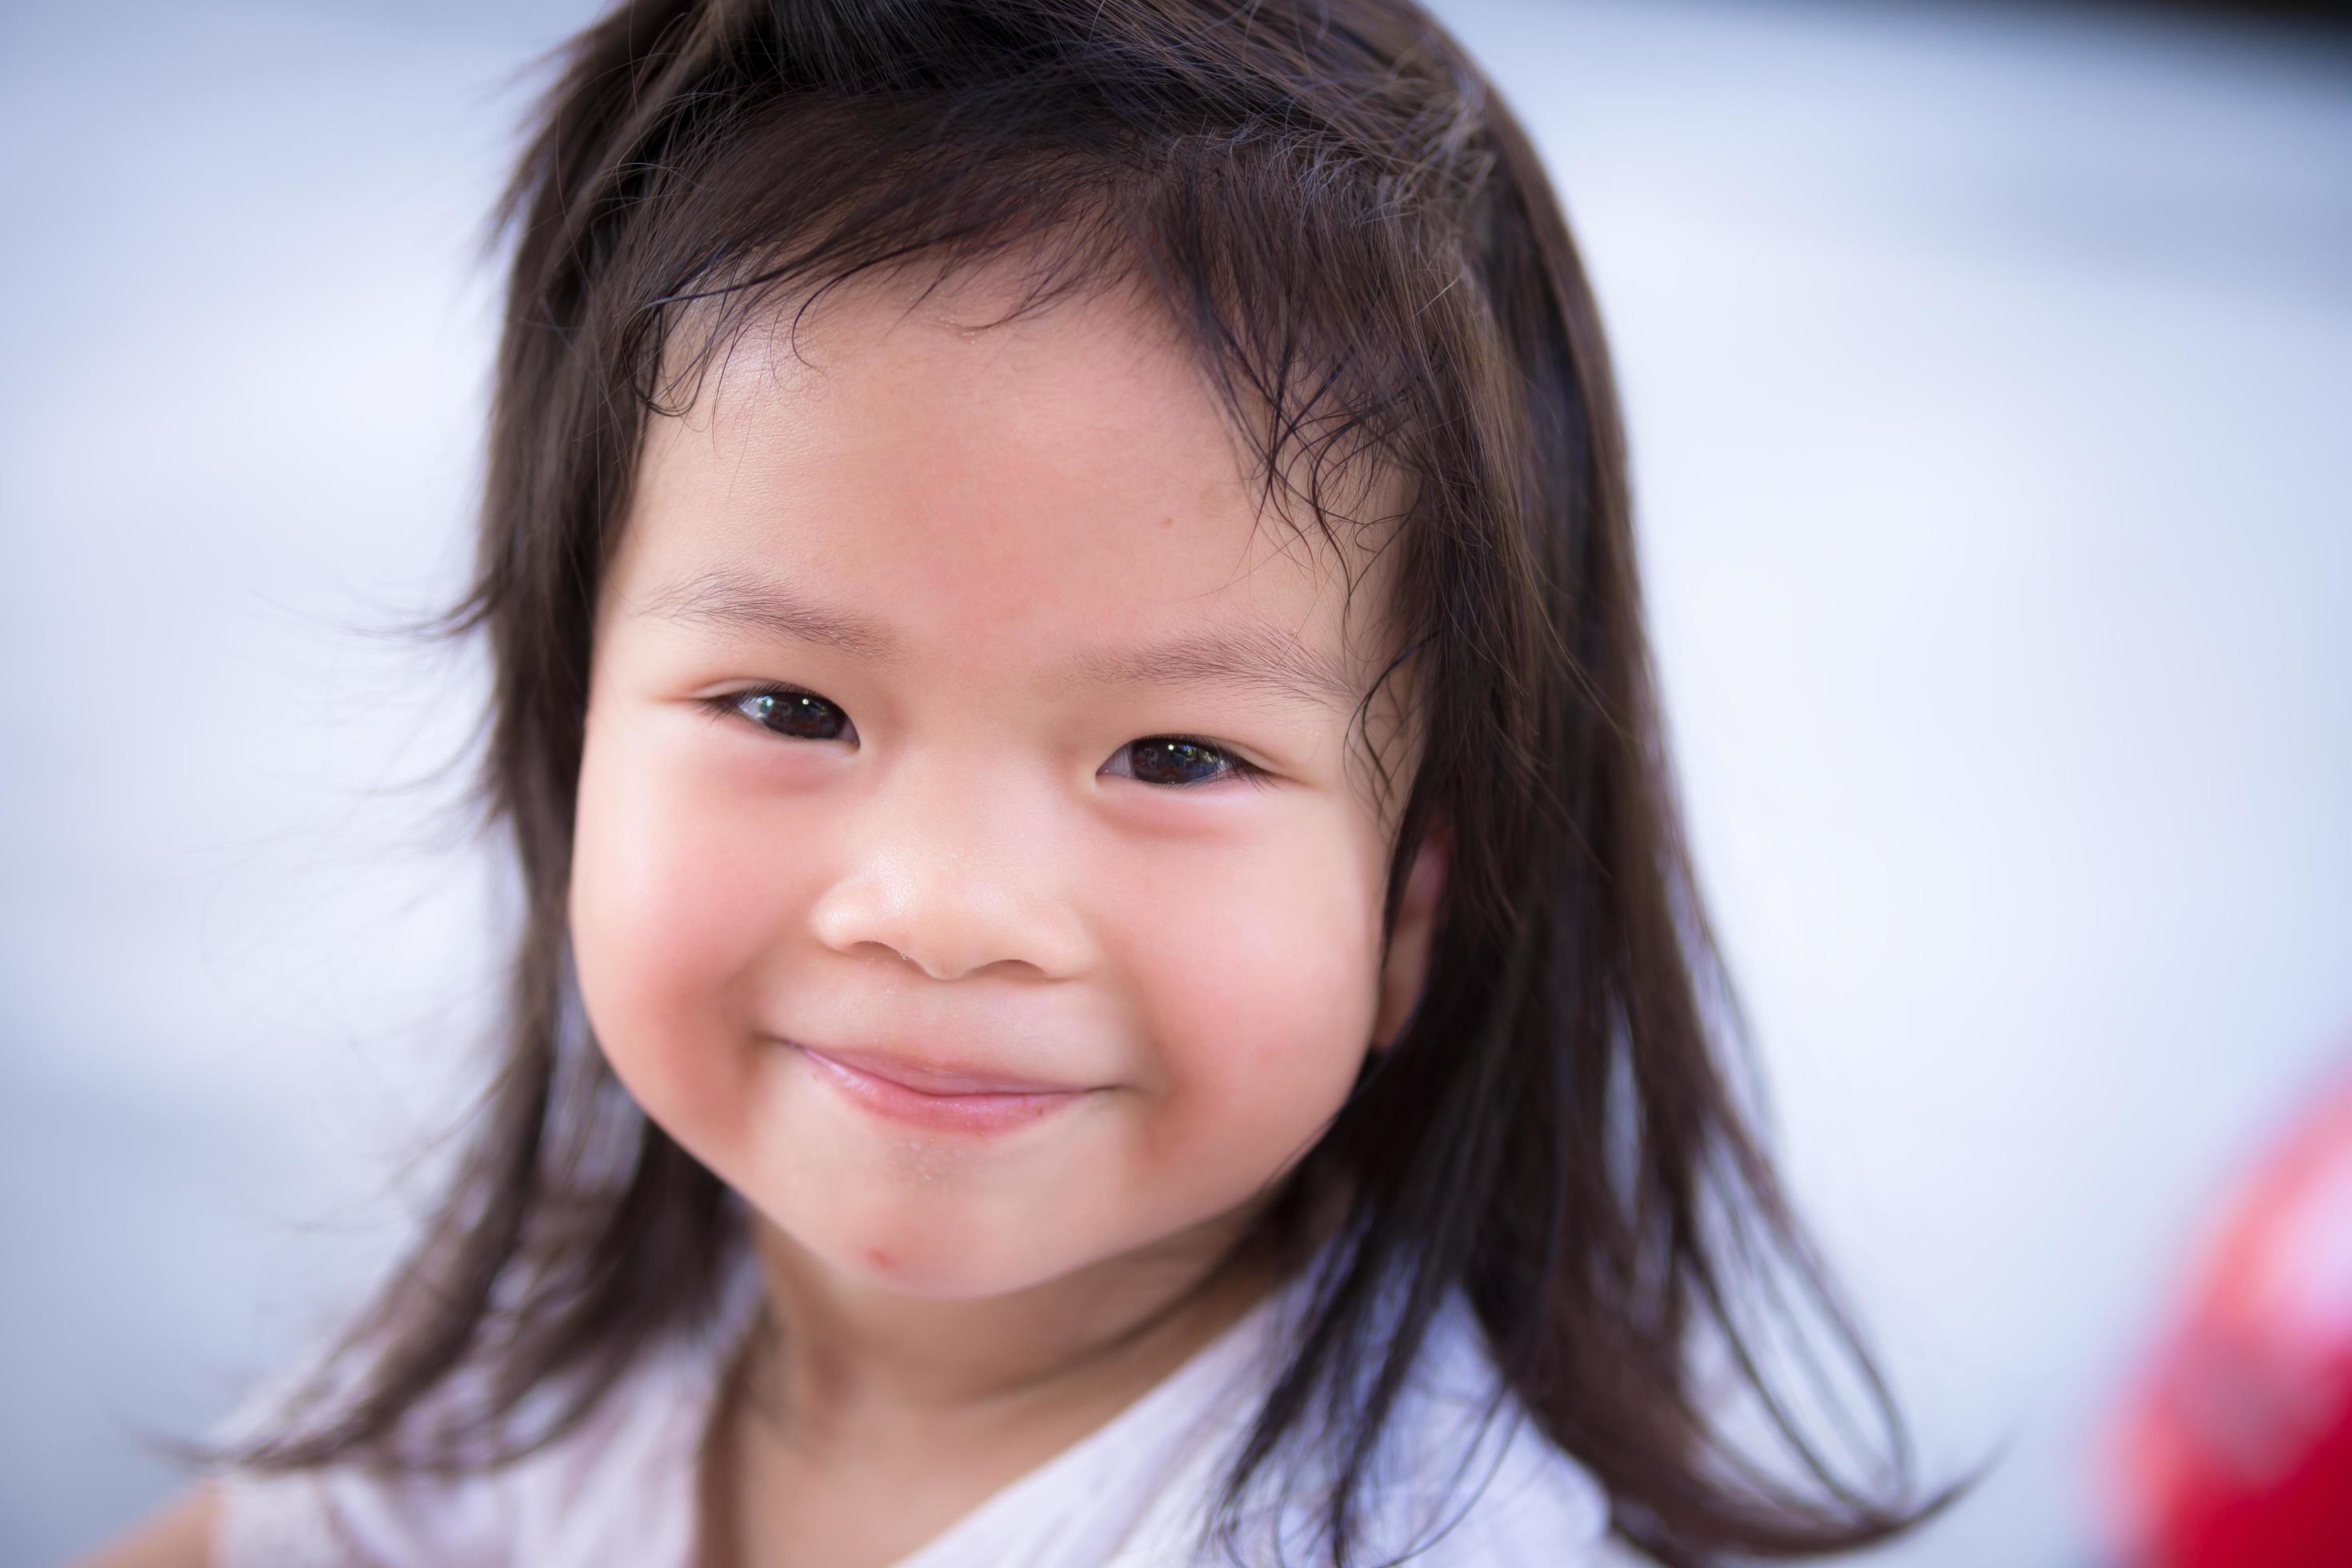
{"x":1275,"y":1014}
{"x":669,"y":907}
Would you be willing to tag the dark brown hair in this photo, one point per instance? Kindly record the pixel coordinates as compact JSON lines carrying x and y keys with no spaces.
{"x":1358,"y":242}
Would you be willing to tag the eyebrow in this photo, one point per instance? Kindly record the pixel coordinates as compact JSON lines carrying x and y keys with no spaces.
{"x":1251,"y":656}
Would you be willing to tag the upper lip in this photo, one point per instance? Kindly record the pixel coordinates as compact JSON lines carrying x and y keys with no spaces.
{"x":937,"y":1077}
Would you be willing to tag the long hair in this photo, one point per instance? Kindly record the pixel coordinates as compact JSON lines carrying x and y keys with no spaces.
{"x":1357,"y":240}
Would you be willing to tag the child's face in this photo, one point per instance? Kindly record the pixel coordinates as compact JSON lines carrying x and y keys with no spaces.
{"x":998,"y":513}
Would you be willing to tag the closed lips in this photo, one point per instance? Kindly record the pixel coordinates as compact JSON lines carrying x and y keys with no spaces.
{"x":942,"y":1082}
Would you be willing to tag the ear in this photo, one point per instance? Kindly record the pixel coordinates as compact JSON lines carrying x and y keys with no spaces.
{"x":1407,"y":973}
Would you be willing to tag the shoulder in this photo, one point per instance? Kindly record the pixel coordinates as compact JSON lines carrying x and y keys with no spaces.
{"x":626,"y":1465}
{"x":617,"y":1487}
{"x":338,"y":1514}
{"x":1536,"y":1508}
{"x":1474,"y":1475}
{"x":1463,"y":1477}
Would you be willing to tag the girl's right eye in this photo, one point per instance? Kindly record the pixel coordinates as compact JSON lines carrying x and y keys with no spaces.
{"x":786,"y":709}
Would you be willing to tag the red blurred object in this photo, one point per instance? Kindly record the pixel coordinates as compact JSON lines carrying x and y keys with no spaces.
{"x":2236,"y":1450}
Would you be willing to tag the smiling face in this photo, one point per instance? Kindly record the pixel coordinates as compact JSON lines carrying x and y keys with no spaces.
{"x":891,"y":748}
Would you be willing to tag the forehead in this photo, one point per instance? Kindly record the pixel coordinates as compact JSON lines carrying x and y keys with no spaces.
{"x":930,"y":478}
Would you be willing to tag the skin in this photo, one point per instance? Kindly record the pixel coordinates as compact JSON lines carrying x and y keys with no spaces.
{"x":980,"y":862}
{"x":176,"y":1535}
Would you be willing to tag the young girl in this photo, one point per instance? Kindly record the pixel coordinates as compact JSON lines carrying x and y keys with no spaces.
{"x":1108,"y":975}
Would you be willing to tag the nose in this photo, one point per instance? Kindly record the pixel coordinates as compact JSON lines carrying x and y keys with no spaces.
{"x":942,"y":872}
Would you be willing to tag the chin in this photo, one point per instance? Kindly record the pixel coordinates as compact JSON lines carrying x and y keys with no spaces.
{"x":936,"y":1256}
{"x":938,"y":1279}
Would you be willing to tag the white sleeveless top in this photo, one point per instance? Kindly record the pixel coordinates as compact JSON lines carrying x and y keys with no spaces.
{"x":621,"y":1488}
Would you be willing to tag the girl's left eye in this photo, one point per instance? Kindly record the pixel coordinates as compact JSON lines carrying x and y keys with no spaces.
{"x":1161,"y":758}
{"x":1160,"y":754}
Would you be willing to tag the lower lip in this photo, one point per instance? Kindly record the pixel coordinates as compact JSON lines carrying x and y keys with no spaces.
{"x":946,"y":1112}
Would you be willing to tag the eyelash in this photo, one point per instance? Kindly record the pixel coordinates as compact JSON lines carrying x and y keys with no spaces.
{"x":731,"y":706}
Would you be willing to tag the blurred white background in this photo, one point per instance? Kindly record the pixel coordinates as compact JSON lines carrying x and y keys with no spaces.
{"x":1989,"y":373}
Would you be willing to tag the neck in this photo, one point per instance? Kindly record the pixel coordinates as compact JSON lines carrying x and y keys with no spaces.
{"x":844,"y":1365}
